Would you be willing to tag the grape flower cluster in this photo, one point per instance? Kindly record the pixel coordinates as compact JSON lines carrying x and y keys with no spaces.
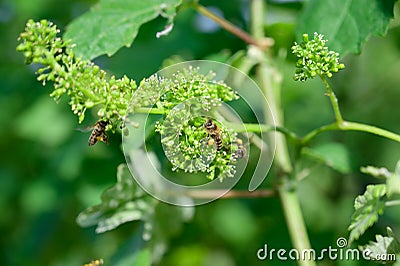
{"x":314,"y":58}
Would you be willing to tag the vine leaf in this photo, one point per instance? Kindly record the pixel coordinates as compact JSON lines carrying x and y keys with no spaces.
{"x":112,"y":24}
{"x":123,"y":202}
{"x":334,"y":155}
{"x":367,"y":209}
{"x":393,"y":182}
{"x":384,"y":250}
{"x":347,"y":24}
{"x":381,"y":173}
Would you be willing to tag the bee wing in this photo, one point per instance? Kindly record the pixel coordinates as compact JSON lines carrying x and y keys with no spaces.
{"x":85,"y":128}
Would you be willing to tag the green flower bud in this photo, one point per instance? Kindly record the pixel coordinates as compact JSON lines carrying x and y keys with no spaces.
{"x":305,"y":37}
{"x":315,"y":58}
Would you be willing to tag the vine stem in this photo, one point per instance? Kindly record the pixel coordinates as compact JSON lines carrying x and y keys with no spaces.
{"x":334,"y":100}
{"x":392,"y":203}
{"x":262,"y":128}
{"x":270,"y":85}
{"x":149,"y":110}
{"x":211,"y":194}
{"x":344,"y":126}
{"x":350,"y":126}
{"x":231,"y":28}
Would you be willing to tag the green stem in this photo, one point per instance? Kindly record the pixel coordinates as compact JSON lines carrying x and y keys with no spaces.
{"x":229,"y":26}
{"x":149,"y":110}
{"x":213,"y":193}
{"x":370,"y":129}
{"x":334,"y":100}
{"x":261,"y":128}
{"x":345,"y":126}
{"x":297,"y":229}
{"x":271,"y":88}
{"x":350,"y":126}
{"x":392,"y":203}
{"x":307,"y":138}
{"x":90,"y":96}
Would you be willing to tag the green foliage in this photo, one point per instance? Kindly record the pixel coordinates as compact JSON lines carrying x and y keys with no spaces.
{"x":346,"y":23}
{"x":367,"y":209}
{"x":54,"y":121}
{"x":393,"y":182}
{"x":315,"y":58}
{"x":375,"y":200}
{"x":391,"y":178}
{"x":386,"y":249}
{"x":375,"y":171}
{"x":124,"y":202}
{"x":119,"y":24}
{"x":334,"y":155}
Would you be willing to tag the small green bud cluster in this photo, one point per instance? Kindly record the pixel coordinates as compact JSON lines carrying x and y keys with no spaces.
{"x":184,"y":85}
{"x":315,"y":58}
{"x":189,"y":84}
{"x":85,"y":83}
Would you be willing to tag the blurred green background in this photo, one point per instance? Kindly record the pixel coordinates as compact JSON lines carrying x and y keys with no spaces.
{"x":48,"y":174}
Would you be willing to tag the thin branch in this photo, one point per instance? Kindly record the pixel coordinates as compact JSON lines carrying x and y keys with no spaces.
{"x":307,"y":138}
{"x":392,"y":203}
{"x":249,"y":127}
{"x":210,"y":194}
{"x":334,"y":100}
{"x":297,"y":229}
{"x":265,"y":44}
{"x":350,"y":126}
{"x":149,"y":110}
{"x":370,"y":129}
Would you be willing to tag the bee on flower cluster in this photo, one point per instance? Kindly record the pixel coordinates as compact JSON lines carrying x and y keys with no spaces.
{"x":214,"y":132}
{"x":99,"y":132}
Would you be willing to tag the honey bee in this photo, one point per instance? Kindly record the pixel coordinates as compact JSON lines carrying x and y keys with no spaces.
{"x":99,"y":133}
{"x":241,"y":151}
{"x":95,"y":263}
{"x":214,"y":132}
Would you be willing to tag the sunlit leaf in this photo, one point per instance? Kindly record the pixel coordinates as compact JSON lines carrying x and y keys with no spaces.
{"x":334,"y":155}
{"x":112,"y":24}
{"x":131,"y":211}
{"x":367,"y":209}
{"x":347,"y":24}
